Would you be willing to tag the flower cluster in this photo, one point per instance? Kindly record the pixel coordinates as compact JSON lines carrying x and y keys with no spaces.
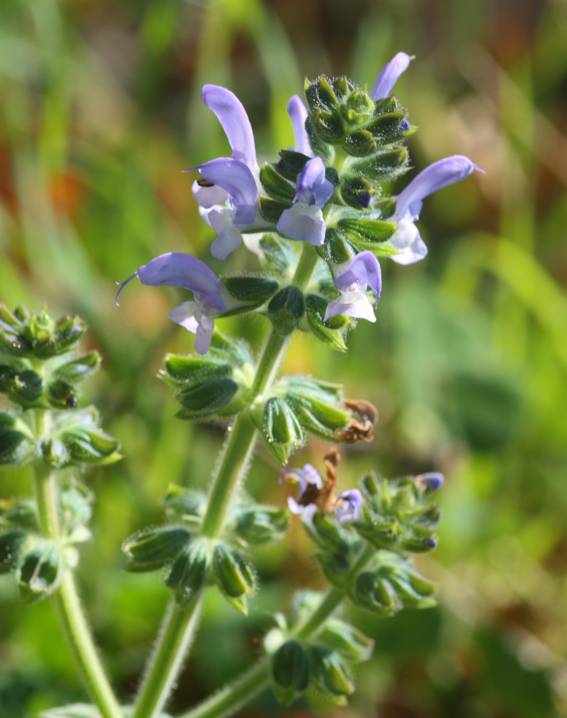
{"x":331,"y":191}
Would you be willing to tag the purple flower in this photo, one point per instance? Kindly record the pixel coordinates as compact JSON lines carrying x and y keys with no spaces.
{"x":407,"y":240}
{"x":389,"y":75}
{"x":361,"y":273}
{"x":298,"y":113}
{"x":308,"y":483}
{"x":430,"y":481}
{"x":304,"y":219}
{"x":228,"y":191}
{"x":348,"y":506}
{"x":176,"y":269}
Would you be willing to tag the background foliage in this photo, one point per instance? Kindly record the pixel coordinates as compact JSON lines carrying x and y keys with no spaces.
{"x":100,"y":112}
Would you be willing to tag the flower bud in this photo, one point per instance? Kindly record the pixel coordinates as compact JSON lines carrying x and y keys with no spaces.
{"x":360,"y":143}
{"x":373,"y":592}
{"x":281,"y":428}
{"x":286,"y":309}
{"x":290,"y":671}
{"x":189,"y":571}
{"x":389,"y":127}
{"x":233,"y":574}
{"x":39,"y":571}
{"x":346,"y":640}
{"x":332,"y":673}
{"x":357,"y":191}
{"x":261,"y":524}
{"x":62,"y":395}
{"x":150,"y":549}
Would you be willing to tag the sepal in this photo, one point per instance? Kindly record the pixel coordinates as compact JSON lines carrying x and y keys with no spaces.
{"x":39,"y":570}
{"x":346,"y":640}
{"x":153,"y":548}
{"x":216,"y":384}
{"x":17,"y":445}
{"x":291,"y":671}
{"x":250,"y":292}
{"x":286,"y":309}
{"x":234,"y":575}
{"x":281,"y":428}
{"x":331,"y":332}
{"x":190,"y":570}
{"x":256,"y":525}
{"x":332,"y":673}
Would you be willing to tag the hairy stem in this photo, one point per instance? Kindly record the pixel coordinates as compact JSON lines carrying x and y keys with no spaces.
{"x":181,"y":622}
{"x":233,"y":696}
{"x":69,"y":604}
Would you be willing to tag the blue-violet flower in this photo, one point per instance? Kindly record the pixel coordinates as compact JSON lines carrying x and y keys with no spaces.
{"x":176,"y":269}
{"x":348,"y":505}
{"x":353,"y":280}
{"x":406,"y":239}
{"x":304,"y":219}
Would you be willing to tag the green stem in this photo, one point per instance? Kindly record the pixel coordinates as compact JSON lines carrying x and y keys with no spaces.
{"x":68,"y":602}
{"x":181,"y":622}
{"x":229,"y":699}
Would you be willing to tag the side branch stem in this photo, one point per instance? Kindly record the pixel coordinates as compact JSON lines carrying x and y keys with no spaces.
{"x":69,"y":604}
{"x":181,"y":622}
{"x":229,"y":699}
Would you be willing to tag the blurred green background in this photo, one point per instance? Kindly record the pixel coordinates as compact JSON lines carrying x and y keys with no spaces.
{"x":99,"y":113}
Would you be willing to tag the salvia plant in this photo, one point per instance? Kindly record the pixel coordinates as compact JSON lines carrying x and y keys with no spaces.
{"x":319,"y":218}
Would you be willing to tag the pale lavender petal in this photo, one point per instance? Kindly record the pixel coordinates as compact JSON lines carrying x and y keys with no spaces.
{"x":184,"y":315}
{"x":225,"y":243}
{"x":389,"y":75}
{"x":231,"y":114}
{"x":363,"y":270}
{"x":407,"y":240}
{"x":209,"y":196}
{"x":237,"y":179}
{"x":303,"y":222}
{"x":353,"y":304}
{"x":204,"y":335}
{"x":298,"y":113}
{"x":348,"y":505}
{"x":312,"y":185}
{"x":438,"y":175}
